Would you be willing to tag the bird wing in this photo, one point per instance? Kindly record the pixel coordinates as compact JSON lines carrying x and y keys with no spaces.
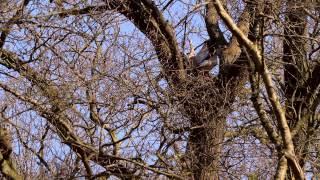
{"x":202,"y":55}
{"x":208,"y":64}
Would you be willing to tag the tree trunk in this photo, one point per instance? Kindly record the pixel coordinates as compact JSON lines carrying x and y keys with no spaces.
{"x":207,"y":103}
{"x":205,"y":145}
{"x":295,"y":75}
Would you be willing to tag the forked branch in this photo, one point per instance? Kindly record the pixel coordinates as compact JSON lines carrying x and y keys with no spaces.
{"x":273,"y":97}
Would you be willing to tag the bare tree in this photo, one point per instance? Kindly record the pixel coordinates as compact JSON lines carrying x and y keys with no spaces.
{"x":114,"y":89}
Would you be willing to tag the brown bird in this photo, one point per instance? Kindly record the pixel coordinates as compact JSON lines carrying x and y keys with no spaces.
{"x":58,"y":3}
{"x":5,"y":142}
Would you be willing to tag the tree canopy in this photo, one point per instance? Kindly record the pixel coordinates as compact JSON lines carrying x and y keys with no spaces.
{"x":164,"y":89}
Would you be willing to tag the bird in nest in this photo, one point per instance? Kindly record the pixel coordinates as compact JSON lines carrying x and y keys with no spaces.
{"x":203,"y":60}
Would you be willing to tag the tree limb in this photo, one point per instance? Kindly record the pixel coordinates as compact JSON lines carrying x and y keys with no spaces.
{"x":7,"y":168}
{"x":11,"y":22}
{"x":149,"y":19}
{"x":266,"y":76}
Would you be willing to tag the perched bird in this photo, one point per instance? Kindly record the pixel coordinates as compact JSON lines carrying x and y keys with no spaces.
{"x":5,"y":142}
{"x":203,"y":60}
{"x":59,"y":4}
